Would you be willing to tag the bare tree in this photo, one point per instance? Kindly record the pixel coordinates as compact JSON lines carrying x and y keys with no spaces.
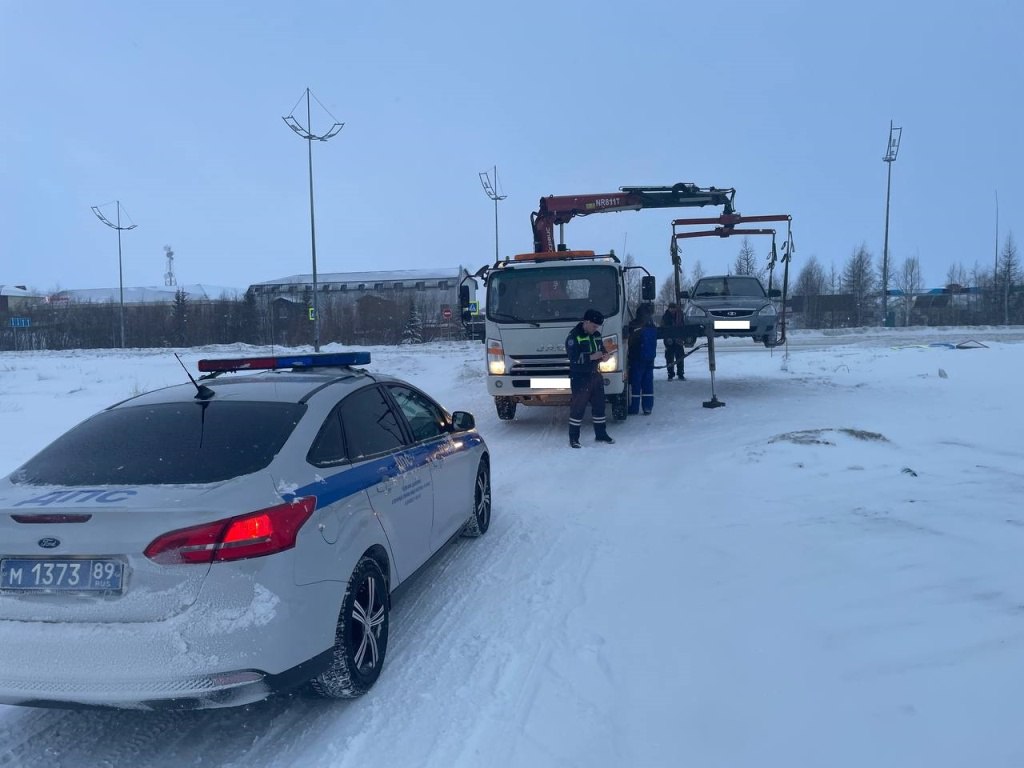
{"x":908,"y":280}
{"x":859,"y":281}
{"x":696,"y":272}
{"x":632,"y":281}
{"x":811,"y":284}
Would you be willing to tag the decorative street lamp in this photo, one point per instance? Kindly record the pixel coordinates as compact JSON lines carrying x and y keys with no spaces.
{"x":307,"y":134}
{"x":492,"y":192}
{"x":120,"y":269}
{"x":889,"y":159}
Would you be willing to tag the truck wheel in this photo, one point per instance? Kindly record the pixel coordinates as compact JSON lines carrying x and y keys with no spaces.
{"x":506,"y":408}
{"x":619,"y":405}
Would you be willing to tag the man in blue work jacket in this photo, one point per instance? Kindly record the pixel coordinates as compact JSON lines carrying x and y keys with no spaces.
{"x":585,"y":350}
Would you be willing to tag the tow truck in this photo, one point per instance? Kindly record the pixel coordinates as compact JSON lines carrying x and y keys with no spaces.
{"x":534,"y":299}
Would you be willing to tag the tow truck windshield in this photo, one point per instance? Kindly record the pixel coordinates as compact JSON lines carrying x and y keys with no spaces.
{"x":552,"y":294}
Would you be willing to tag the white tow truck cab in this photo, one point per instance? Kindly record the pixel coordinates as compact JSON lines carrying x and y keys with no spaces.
{"x":532,"y":302}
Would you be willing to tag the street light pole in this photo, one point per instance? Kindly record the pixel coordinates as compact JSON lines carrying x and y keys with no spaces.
{"x":492,"y":192}
{"x":120,"y":268}
{"x":306,"y":132}
{"x":889,"y":159}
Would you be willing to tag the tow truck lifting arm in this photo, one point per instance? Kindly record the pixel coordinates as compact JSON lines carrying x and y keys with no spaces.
{"x":560,"y":209}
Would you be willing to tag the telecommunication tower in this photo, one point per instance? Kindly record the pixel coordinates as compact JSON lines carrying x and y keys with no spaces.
{"x":169,"y":278}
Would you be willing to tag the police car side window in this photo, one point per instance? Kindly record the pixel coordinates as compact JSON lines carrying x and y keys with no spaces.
{"x":369,"y":424}
{"x":425,"y":418}
{"x":329,"y":446}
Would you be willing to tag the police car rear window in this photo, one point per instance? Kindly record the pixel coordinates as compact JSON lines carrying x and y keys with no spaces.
{"x":169,"y":443}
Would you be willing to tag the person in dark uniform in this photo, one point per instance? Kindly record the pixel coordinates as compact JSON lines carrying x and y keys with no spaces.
{"x":674,"y":350}
{"x":585,"y":351}
{"x":643,"y":351}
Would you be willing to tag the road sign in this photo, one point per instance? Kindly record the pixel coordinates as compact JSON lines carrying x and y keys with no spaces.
{"x":446,"y":313}
{"x":21,"y":322}
{"x":312,"y":314}
{"x":474,"y":308}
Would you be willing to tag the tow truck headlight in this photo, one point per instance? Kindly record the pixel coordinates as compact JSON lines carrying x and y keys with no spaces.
{"x":768,"y":309}
{"x":612,"y":363}
{"x":495,"y":358}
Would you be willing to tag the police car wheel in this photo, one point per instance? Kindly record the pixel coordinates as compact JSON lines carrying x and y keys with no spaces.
{"x":361,"y":637}
{"x":480,"y":520}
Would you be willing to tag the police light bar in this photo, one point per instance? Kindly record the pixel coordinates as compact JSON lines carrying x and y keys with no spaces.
{"x":326,"y":360}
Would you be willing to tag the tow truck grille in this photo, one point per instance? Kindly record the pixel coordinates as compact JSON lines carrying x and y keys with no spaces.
{"x":540,"y":365}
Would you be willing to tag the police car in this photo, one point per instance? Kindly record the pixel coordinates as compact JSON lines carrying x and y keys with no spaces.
{"x":207,"y":544}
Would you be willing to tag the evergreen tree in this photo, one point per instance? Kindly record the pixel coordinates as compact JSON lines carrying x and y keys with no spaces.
{"x":179,"y":315}
{"x":413,"y":332}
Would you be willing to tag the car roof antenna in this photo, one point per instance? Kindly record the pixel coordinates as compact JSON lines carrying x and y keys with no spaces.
{"x":203,"y":392}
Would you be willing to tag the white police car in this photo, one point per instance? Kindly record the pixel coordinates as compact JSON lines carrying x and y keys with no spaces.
{"x":209,"y":543}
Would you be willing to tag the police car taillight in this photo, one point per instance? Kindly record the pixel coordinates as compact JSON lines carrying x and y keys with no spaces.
{"x":325,"y":360}
{"x":237,"y":538}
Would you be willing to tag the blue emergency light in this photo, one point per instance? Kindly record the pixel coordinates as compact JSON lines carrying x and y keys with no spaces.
{"x":325,"y":360}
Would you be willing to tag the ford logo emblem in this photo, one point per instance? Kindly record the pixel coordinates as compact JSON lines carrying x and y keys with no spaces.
{"x":49,"y":542}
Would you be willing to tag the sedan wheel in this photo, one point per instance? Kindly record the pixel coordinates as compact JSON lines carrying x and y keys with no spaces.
{"x":361,"y":638}
{"x":480,"y":521}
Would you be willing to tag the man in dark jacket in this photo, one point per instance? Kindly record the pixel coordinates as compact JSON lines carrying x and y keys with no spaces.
{"x":675,"y":352}
{"x":643,"y":351}
{"x":585,"y":351}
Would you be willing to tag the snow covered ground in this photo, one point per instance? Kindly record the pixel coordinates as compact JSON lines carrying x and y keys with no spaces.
{"x":826,"y":572}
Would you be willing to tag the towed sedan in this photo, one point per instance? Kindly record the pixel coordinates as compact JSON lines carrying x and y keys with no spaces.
{"x":210,"y":543}
{"x":732,"y":305}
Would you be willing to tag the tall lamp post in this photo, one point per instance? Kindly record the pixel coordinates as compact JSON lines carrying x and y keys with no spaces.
{"x":492,"y":192}
{"x":890,"y":157}
{"x":120,"y":268}
{"x":306,"y":132}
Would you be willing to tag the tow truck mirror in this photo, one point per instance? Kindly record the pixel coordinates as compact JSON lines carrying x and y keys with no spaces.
{"x":647,"y":288}
{"x":464,"y":297}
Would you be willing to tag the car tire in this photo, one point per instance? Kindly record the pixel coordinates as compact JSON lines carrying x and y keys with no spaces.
{"x":480,"y":520}
{"x":506,"y":408}
{"x":361,"y":637}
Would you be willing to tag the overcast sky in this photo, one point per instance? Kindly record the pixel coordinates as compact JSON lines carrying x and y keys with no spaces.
{"x":175,"y":110}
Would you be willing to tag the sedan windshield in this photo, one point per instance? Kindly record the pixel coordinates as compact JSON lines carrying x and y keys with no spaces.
{"x":733,"y":285}
{"x":169,"y":443}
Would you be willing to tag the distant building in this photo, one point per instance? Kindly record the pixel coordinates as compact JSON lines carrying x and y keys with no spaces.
{"x":148,"y":295}
{"x":364,"y":307}
{"x":15,"y":298}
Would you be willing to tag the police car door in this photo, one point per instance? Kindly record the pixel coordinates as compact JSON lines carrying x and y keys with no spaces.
{"x":403,"y":495}
{"x":452,"y":462}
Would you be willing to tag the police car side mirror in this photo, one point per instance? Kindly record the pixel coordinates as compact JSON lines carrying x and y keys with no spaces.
{"x":462,"y":421}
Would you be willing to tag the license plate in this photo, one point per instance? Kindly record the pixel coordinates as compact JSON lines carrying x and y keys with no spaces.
{"x":70,"y":575}
{"x":549,"y":383}
{"x":732,"y":325}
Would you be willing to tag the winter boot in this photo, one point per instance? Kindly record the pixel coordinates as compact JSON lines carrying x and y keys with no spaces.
{"x":574,"y":437}
{"x":603,"y":437}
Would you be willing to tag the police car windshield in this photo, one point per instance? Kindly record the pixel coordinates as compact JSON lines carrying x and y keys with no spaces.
{"x":552,"y":293}
{"x":168,"y":443}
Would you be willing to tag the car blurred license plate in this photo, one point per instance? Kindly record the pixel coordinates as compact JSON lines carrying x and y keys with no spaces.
{"x":732,"y":325}
{"x":47,"y":575}
{"x":549,"y":383}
